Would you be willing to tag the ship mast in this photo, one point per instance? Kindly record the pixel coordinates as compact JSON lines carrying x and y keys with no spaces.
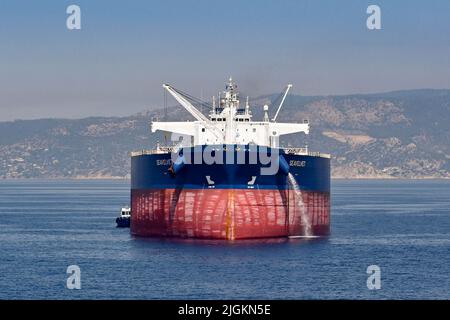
{"x":232,"y":103}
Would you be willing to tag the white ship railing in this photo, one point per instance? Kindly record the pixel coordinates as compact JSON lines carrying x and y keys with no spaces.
{"x":170,"y":149}
{"x":319,"y":154}
{"x":290,"y":150}
{"x":160,"y":150}
{"x":305,"y":151}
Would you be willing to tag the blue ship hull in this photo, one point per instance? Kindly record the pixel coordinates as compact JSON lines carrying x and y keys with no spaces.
{"x":230,"y":201}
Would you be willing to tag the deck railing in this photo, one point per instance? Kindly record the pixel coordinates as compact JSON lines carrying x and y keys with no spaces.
{"x":287,"y":150}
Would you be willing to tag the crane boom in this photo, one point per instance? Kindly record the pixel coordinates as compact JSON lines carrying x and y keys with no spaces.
{"x":192,"y":110}
{"x":289,"y":86}
{"x":186,"y":104}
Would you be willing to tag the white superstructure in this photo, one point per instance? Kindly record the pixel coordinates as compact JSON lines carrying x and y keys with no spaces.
{"x":228,"y":122}
{"x":125,"y":212}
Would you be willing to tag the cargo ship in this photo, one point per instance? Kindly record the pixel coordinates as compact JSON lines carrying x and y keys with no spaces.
{"x":227,"y":177}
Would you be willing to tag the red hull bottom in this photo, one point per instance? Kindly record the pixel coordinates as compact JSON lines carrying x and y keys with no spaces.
{"x":229,"y":213}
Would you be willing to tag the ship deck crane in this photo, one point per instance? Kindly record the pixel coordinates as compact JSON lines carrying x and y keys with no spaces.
{"x":289,"y":86}
{"x":227,"y":126}
{"x":186,"y":104}
{"x":186,"y":128}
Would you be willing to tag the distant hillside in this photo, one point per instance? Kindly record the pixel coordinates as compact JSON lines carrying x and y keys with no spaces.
{"x":403,"y":134}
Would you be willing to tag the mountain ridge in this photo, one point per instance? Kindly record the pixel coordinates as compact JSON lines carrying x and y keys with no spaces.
{"x":396,"y":134}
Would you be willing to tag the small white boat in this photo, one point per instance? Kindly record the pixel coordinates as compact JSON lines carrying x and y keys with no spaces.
{"x":123,"y":221}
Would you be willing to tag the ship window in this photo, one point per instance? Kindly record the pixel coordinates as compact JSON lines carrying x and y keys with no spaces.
{"x":203,"y":129}
{"x":247,"y":119}
{"x":219,"y":119}
{"x":223,"y":119}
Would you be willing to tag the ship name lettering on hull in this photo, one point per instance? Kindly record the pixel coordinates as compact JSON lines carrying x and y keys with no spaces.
{"x":163,"y":162}
{"x":297,"y":163}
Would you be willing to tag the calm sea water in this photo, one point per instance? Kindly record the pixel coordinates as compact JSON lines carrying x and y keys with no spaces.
{"x":401,"y":226}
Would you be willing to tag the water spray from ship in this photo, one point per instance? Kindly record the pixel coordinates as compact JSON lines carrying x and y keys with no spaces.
{"x":298,"y":200}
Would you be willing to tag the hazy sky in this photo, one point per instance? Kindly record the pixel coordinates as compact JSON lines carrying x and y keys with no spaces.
{"x":117,"y":62}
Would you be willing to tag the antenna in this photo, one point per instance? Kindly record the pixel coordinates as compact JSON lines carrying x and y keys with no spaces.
{"x":201,"y":99}
{"x":289,"y":86}
{"x":165,"y":105}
